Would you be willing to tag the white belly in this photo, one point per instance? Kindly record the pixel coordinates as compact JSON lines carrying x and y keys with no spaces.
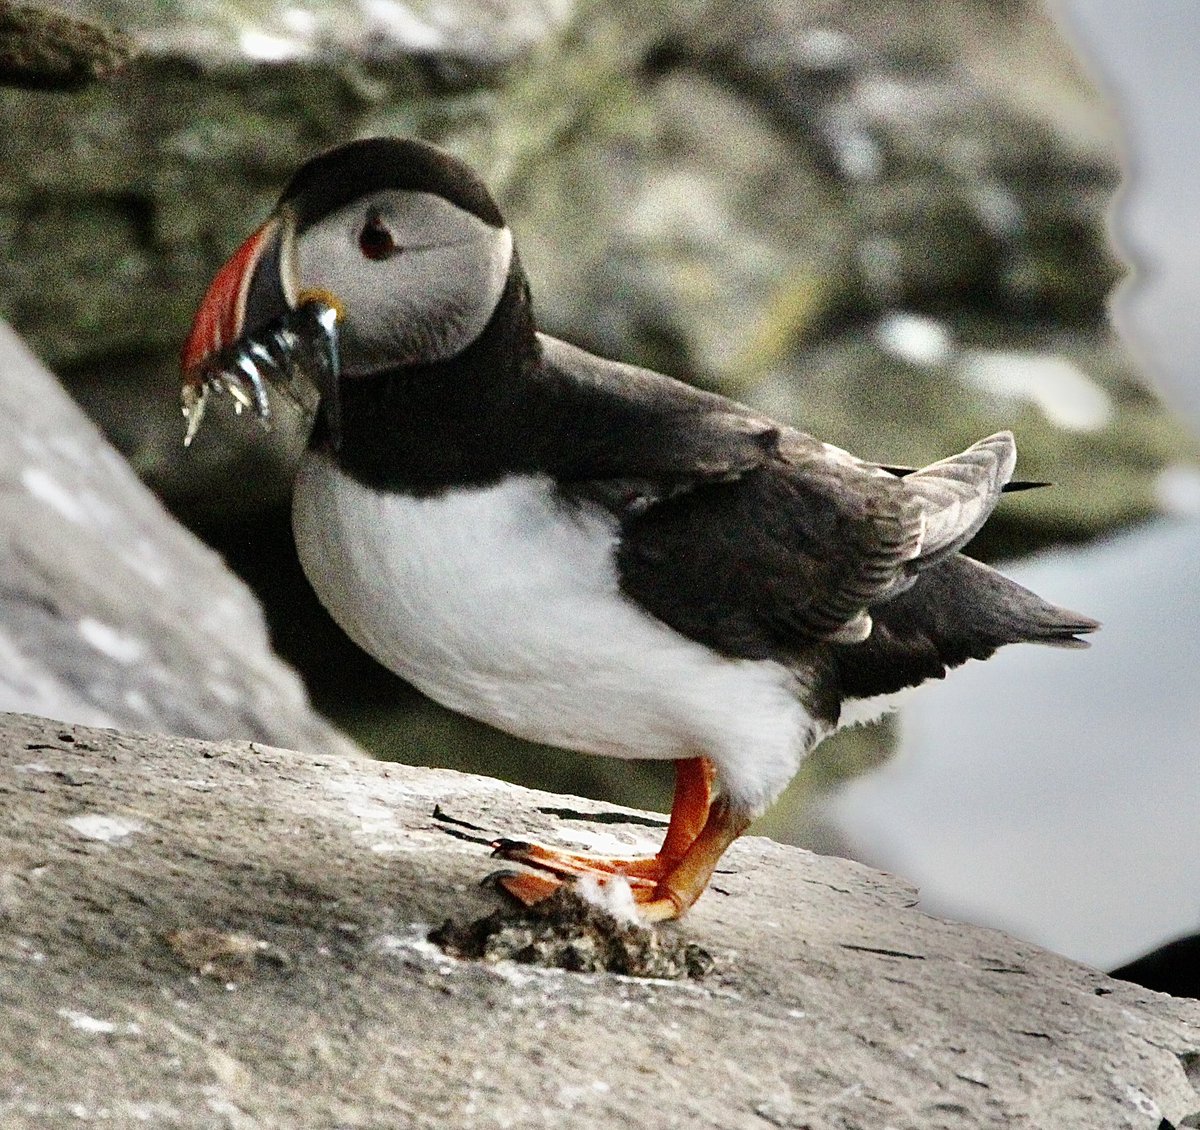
{"x":503,"y":604}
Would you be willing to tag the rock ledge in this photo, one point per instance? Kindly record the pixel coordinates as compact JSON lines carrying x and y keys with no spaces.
{"x":233,"y":935}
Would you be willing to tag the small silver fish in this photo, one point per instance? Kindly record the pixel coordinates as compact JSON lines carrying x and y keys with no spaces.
{"x":297,"y":355}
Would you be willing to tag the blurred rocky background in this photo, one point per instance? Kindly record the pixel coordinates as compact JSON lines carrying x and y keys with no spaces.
{"x":885,"y":224}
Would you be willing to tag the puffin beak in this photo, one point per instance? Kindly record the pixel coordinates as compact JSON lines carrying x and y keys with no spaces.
{"x":254,"y":322}
{"x":248,"y":292}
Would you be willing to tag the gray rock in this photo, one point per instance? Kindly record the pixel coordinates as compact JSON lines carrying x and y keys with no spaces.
{"x":110,"y":612}
{"x":482,"y":36}
{"x":231,"y":935}
{"x":43,"y":49}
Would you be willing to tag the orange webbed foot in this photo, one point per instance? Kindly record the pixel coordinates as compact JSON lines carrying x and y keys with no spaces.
{"x":526,"y":887}
{"x":663,"y":886}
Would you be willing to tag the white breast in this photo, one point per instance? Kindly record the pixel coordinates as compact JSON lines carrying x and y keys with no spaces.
{"x":502,"y":603}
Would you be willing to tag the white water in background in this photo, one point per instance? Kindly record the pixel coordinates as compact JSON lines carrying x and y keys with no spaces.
{"x":1054,"y":793}
{"x":1057,"y":794}
{"x":1146,"y":57}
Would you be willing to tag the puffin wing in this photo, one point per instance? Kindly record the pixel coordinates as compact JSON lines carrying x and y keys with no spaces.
{"x":632,"y":436}
{"x":748,"y":536}
{"x":806,"y":546}
{"x":958,"y":494}
{"x":789,"y":553}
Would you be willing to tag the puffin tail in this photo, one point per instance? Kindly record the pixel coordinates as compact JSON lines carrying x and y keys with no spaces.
{"x":957,"y":610}
{"x":1024,"y":617}
{"x":958,"y":495}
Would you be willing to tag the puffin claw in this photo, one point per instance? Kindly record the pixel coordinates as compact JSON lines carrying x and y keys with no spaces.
{"x":502,"y":847}
{"x":524,"y":886}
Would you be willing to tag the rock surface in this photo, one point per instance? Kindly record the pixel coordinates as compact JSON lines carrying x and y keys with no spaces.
{"x":232,"y":935}
{"x":42,"y":49}
{"x":110,"y":612}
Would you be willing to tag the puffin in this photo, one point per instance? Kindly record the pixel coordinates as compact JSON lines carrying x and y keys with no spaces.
{"x":578,"y":551}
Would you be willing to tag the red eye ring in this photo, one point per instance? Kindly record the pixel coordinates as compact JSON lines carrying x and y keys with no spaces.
{"x":375,"y":241}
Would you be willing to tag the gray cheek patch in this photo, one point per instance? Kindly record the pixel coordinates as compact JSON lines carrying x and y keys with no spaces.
{"x":430,"y":307}
{"x":426,"y":303}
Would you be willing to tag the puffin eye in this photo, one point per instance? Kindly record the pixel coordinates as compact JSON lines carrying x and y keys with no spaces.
{"x":375,"y":241}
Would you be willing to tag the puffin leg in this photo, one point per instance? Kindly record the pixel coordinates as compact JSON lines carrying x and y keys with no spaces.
{"x":689,"y":814}
{"x":689,"y":809}
{"x":684,"y":883}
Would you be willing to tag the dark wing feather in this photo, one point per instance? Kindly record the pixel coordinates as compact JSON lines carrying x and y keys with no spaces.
{"x":624,"y":429}
{"x":762,"y":566}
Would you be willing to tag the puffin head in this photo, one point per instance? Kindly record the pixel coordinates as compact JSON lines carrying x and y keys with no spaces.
{"x":402,"y":241}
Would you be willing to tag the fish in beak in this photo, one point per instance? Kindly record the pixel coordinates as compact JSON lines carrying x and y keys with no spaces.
{"x":256,"y":330}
